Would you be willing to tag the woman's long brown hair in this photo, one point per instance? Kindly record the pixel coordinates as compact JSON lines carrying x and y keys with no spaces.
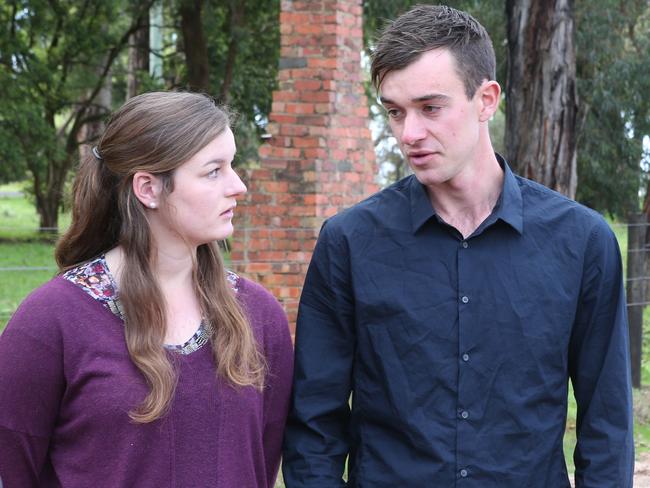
{"x":156,"y":132}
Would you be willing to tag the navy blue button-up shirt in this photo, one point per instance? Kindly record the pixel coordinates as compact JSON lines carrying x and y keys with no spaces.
{"x":457,"y":352}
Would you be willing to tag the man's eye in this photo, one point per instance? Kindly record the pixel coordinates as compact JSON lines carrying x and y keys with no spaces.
{"x":430,"y":109}
{"x":393,"y":113}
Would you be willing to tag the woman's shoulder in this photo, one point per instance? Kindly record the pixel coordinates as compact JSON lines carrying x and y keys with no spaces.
{"x":50,"y":308}
{"x":264,"y":311}
{"x":255,"y":296}
{"x":36,"y":317}
{"x":51,"y":297}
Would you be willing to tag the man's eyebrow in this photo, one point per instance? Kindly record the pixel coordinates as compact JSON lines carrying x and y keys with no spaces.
{"x":423,"y":98}
{"x":431,"y":98}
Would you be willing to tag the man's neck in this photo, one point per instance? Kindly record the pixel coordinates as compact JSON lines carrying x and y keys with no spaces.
{"x":469,"y":198}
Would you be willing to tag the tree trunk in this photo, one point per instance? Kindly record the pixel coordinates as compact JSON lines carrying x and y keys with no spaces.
{"x":236,"y":9}
{"x":194,"y":46}
{"x":48,"y":209}
{"x":541,"y":99}
{"x":138,"y":60}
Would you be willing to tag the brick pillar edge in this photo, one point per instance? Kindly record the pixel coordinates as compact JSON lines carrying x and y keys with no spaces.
{"x":320,"y":158}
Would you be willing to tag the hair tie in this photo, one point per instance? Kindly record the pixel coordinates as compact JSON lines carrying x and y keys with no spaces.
{"x":96,"y":153}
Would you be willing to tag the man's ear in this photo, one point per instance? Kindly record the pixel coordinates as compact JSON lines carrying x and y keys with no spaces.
{"x":489,"y":94}
{"x":147,"y":188}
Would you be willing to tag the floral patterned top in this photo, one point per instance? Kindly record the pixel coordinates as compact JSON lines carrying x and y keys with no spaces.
{"x":95,"y":278}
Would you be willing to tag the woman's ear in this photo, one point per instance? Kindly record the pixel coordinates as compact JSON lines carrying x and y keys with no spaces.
{"x":147,"y":188}
{"x":490,"y":95}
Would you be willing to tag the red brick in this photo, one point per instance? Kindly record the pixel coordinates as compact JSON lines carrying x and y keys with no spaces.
{"x":309,"y":29}
{"x":285,"y":96}
{"x":294,"y":130}
{"x":307,"y":142}
{"x":325,"y":63}
{"x":286,"y":28}
{"x":306,"y":85}
{"x":320,"y":158}
{"x":300,"y":108}
{"x":276,"y":186}
{"x":313,"y":153}
{"x":284,"y":119}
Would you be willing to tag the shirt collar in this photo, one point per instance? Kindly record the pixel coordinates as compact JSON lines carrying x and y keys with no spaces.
{"x":509,"y":206}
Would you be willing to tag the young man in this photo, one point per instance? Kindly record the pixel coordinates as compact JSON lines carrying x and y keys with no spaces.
{"x":455,"y":305}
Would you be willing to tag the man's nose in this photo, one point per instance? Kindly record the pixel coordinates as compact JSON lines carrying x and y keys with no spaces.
{"x":413,"y":129}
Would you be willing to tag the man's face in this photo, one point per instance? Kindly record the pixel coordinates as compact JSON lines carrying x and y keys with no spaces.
{"x":437,"y":127}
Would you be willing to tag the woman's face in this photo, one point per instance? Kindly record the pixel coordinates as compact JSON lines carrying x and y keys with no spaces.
{"x":201,"y":206}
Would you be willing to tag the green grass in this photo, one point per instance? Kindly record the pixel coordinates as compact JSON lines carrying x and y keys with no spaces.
{"x":18,"y":218}
{"x":22,"y":246}
{"x":16,"y":282}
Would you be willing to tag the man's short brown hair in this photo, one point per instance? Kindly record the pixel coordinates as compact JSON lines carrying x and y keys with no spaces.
{"x":427,"y":27}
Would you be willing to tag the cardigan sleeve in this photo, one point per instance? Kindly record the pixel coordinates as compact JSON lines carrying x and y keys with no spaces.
{"x":31,"y":386}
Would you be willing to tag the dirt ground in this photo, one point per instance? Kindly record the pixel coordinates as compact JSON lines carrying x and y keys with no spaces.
{"x":642,"y":471}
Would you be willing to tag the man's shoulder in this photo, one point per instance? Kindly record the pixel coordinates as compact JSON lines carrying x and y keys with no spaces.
{"x":390,"y":203}
{"x":543,"y":203}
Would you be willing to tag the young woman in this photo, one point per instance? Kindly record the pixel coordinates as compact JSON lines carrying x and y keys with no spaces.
{"x":145,"y":363}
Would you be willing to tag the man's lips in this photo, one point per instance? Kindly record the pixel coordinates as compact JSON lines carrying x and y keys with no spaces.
{"x":419,"y":157}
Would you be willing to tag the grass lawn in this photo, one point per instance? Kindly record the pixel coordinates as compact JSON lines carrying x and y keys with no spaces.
{"x":21,"y":246}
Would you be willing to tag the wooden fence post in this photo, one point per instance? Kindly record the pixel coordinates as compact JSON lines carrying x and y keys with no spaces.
{"x":636,"y":286}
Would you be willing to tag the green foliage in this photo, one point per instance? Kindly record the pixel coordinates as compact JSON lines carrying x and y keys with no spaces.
{"x":255,"y":72}
{"x":254,"y":37}
{"x":54,"y":58}
{"x":613,"y":70}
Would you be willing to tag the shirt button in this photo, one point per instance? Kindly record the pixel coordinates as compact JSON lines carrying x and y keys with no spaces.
{"x":464,"y":414}
{"x":463,"y":473}
{"x":465,"y":357}
{"x":464,"y":244}
{"x":464,"y":299}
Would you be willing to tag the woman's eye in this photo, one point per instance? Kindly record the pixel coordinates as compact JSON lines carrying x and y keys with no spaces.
{"x":213,"y":173}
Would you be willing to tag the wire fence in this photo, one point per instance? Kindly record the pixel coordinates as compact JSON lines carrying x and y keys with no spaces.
{"x":266,"y":232}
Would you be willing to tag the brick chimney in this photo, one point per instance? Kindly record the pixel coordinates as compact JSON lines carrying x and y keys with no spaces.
{"x":319,"y":159}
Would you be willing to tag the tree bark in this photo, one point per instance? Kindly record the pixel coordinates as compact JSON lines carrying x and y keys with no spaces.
{"x":95,"y":124}
{"x":541,"y":99}
{"x":236,"y":9}
{"x":138,"y":60}
{"x":194,"y":46}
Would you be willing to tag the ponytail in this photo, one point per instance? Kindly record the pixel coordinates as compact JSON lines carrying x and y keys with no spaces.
{"x":95,"y":223}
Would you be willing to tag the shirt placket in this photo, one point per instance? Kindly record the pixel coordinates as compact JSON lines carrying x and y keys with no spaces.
{"x":466,"y":305}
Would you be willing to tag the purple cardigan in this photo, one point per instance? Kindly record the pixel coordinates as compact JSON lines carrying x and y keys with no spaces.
{"x":67,"y":385}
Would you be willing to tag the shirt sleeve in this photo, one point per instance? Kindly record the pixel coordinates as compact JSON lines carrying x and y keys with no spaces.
{"x":279,"y":357}
{"x":316,"y":441}
{"x":31,"y":385}
{"x":599,"y":365}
